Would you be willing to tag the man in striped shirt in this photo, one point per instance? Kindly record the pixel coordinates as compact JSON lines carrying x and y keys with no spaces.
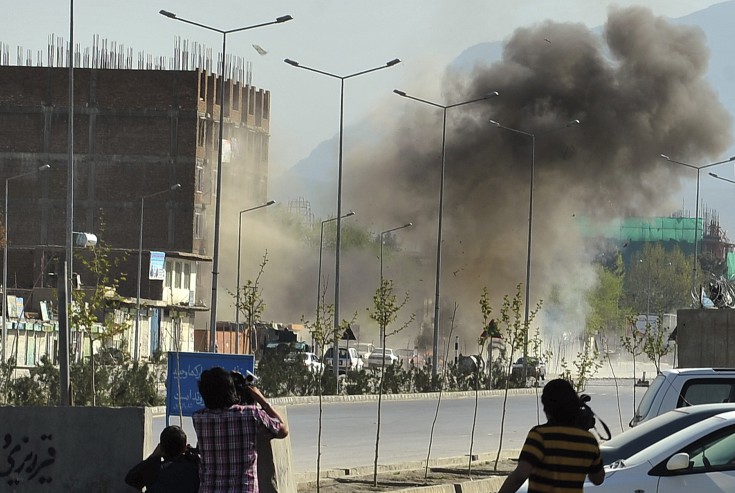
{"x":559,"y":455}
{"x":227,"y":433}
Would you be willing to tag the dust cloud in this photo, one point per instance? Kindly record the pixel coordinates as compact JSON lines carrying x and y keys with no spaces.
{"x":638,"y":89}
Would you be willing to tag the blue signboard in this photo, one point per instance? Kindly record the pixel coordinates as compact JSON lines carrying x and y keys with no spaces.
{"x":184,"y":370}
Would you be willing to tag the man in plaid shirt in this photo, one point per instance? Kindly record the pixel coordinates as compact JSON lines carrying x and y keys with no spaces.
{"x":227,"y":431}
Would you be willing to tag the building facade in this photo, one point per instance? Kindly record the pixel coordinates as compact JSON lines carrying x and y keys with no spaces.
{"x":135,"y":133}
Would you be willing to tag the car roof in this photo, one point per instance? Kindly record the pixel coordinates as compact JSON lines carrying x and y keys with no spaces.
{"x":696,"y":430}
{"x":698,"y":371}
{"x":635,"y":439}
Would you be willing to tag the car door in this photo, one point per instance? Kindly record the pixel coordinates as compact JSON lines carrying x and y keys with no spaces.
{"x":711,"y":466}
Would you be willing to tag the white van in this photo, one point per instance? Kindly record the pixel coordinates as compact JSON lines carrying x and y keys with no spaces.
{"x":682,"y":387}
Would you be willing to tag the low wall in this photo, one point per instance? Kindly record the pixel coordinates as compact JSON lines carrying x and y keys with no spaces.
{"x":71,"y":449}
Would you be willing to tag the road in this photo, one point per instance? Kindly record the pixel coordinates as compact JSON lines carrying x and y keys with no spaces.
{"x":349,"y":428}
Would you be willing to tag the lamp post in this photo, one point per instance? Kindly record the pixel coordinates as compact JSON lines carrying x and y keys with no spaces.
{"x":215,"y":249}
{"x":338,"y":242}
{"x":721,"y":178}
{"x":530,"y":227}
{"x":237,"y":287}
{"x":5,"y":257}
{"x":696,"y":213}
{"x":136,"y":349}
{"x":435,"y":346}
{"x":321,"y":243}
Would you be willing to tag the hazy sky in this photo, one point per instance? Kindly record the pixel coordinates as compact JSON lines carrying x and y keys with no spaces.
{"x":337,"y":36}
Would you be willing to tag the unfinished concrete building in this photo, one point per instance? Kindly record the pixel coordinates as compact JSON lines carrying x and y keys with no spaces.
{"x":137,"y":132}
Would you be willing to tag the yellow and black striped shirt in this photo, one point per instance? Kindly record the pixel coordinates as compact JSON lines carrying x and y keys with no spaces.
{"x":561,"y":457}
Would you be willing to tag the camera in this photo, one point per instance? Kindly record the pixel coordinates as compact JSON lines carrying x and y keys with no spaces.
{"x":586,"y":418}
{"x":242,"y":382}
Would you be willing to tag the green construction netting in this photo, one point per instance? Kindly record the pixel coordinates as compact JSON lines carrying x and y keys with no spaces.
{"x":645,"y":229}
{"x":730,"y":266}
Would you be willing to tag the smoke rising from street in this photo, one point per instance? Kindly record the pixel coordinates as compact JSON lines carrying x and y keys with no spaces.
{"x":638,"y":90}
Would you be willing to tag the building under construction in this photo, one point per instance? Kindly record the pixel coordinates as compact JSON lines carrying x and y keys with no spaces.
{"x":139,"y":128}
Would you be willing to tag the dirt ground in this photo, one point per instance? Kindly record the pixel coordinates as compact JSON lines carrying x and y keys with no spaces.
{"x":399,"y":480}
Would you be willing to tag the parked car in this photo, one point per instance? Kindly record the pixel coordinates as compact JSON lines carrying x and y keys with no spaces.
{"x":348,"y":360}
{"x":700,"y":458}
{"x":681,"y":387}
{"x":310,"y":361}
{"x":375,"y":360}
{"x":536,"y":368}
{"x":636,"y":439}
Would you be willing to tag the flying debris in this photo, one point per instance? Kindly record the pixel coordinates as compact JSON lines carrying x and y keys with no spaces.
{"x":260,"y":50}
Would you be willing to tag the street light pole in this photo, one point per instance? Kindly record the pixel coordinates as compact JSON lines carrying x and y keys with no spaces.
{"x":338,"y":242}
{"x":136,"y":349}
{"x":321,"y":243}
{"x":530,"y":228}
{"x":237,"y":287}
{"x":215,"y":249}
{"x":435,"y":345}
{"x":5,"y":258}
{"x":696,"y":214}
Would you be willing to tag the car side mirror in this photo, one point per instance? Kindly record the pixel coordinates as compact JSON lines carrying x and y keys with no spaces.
{"x":678,"y":462}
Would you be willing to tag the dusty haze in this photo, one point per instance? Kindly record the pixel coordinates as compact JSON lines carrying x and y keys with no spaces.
{"x":638,"y":91}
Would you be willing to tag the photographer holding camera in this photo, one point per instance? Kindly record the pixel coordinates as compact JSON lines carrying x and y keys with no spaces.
{"x":559,"y":455}
{"x":235,"y":414}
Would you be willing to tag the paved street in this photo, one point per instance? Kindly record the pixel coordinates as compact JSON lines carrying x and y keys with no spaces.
{"x":349,"y":428}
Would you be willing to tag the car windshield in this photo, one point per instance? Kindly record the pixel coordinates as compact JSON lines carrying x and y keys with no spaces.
{"x":672,"y":441}
{"x":645,"y":406}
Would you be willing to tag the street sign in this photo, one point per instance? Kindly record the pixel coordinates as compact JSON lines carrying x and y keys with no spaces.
{"x":184,"y":370}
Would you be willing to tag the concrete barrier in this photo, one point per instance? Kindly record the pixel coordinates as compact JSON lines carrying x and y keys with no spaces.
{"x":71,"y":449}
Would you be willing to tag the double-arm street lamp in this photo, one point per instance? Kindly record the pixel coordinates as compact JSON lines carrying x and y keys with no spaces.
{"x":5,"y":257}
{"x":338,"y":242}
{"x":237,"y":286}
{"x":321,"y":246}
{"x":435,"y":346}
{"x":696,"y":213}
{"x":136,"y":349}
{"x":530,"y":226}
{"x":215,"y":249}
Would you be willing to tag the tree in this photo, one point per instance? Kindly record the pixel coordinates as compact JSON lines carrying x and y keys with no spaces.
{"x":385,"y":311}
{"x":251,"y":305}
{"x":652,"y":340}
{"x":92,"y":309}
{"x":608,"y":315}
{"x":658,"y":281}
{"x":513,"y":327}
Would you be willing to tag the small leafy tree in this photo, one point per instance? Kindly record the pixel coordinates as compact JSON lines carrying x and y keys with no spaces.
{"x":489,"y":329}
{"x":385,"y":311}
{"x":322,"y":332}
{"x":441,"y":382}
{"x":587,"y":364}
{"x":653,"y":341}
{"x":92,"y":309}
{"x":514,"y":329}
{"x":656,"y":342}
{"x":251,"y":304}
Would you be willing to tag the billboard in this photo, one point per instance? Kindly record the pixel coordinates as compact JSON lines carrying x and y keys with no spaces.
{"x":157,"y":267}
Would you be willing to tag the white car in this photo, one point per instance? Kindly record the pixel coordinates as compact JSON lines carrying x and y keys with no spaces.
{"x":310,"y":361}
{"x":697,"y":459}
{"x":375,"y":360}
{"x":681,"y":387}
